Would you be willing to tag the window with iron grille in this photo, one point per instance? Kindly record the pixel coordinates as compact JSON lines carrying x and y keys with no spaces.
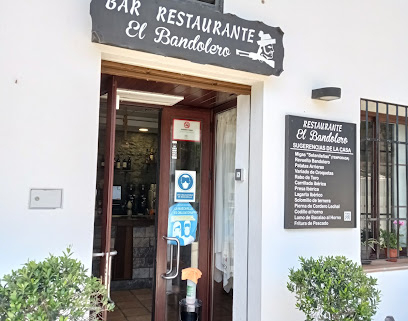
{"x":383,"y":180}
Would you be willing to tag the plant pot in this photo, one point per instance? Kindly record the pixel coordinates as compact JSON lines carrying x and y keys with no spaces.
{"x":393,"y":253}
{"x":365,"y":255}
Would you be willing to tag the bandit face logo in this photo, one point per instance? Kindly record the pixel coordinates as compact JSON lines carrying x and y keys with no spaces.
{"x":265,"y":50}
{"x":266,"y":45}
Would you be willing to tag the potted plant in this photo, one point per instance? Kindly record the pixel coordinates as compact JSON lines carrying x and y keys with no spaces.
{"x":334,"y":288}
{"x":56,"y":289}
{"x":367,"y":246}
{"x":389,"y":243}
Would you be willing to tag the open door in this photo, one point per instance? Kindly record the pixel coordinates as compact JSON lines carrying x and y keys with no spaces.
{"x":106,"y":253}
{"x":183,"y":238}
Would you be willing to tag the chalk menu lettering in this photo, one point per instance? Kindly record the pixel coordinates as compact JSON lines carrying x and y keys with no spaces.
{"x":191,"y":31}
{"x":320,"y":174}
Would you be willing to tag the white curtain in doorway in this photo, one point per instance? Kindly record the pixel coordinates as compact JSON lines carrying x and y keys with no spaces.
{"x":224,"y":198}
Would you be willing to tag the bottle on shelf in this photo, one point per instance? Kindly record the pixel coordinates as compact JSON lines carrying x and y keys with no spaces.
{"x":151,"y":196}
{"x":147,"y":157}
{"x":151,"y":156}
{"x":143,"y":200}
{"x":118,"y":162}
{"x":129,"y":206}
{"x":129,"y":163}
{"x":132,"y":198}
{"x":124,"y":164}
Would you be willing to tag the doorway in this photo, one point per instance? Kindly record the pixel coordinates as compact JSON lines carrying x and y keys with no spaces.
{"x":141,"y":267}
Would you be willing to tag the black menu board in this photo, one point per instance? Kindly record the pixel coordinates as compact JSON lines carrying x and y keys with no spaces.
{"x":320,"y":174}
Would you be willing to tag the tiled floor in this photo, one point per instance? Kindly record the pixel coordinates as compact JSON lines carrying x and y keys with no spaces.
{"x":133,"y":305}
{"x":136,"y":305}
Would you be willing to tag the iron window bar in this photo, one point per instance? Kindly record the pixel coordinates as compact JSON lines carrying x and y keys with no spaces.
{"x":374,"y":216}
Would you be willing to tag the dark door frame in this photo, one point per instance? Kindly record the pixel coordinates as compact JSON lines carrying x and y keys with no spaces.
{"x":205,"y":245}
{"x":105,"y":267}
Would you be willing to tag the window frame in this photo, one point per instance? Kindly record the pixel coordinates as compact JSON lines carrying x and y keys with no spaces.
{"x":217,"y":6}
{"x":374,"y":215}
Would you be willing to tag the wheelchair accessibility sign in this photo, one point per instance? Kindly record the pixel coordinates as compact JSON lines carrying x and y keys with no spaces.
{"x":185,"y":186}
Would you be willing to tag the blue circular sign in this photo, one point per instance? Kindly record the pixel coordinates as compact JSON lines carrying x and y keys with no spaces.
{"x":185,"y":182}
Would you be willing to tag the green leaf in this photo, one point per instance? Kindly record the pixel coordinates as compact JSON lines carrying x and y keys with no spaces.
{"x":57,"y":288}
{"x":333,"y":288}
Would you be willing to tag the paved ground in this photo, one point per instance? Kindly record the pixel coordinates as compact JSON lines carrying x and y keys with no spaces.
{"x":134,"y":305}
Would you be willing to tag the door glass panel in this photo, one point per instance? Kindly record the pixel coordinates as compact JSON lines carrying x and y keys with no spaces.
{"x":185,"y":161}
{"x":223,"y":269}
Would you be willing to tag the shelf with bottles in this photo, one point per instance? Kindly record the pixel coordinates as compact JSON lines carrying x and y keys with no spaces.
{"x":140,"y":203}
{"x":125,"y":171}
{"x":125,"y":165}
{"x":150,"y":157}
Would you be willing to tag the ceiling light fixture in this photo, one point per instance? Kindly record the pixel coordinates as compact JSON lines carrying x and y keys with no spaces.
{"x":143,"y":130}
{"x":327,"y":93}
{"x":117,"y":102}
{"x":145,"y":97}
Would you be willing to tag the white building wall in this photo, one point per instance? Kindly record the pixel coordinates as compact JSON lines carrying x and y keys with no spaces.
{"x":49,"y":89}
{"x":49,"y":86}
{"x":393,"y":294}
{"x":360,"y":47}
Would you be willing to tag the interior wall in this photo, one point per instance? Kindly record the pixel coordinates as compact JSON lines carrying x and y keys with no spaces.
{"x":136,"y":147}
{"x":360,"y":47}
{"x":49,"y":86}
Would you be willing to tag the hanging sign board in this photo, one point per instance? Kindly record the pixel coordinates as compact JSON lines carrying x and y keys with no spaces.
{"x":189,"y":30}
{"x":182,"y":223}
{"x":185,"y":186}
{"x":186,"y":130}
{"x":320,"y":174}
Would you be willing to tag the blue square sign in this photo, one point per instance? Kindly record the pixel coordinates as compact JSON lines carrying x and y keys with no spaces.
{"x":185,"y":186}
